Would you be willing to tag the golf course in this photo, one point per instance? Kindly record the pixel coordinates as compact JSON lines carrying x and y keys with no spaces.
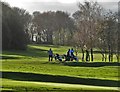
{"x":59,"y":45}
{"x":30,"y":70}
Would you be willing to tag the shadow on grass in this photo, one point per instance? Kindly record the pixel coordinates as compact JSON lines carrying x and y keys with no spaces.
{"x":58,"y":79}
{"x":8,"y":57}
{"x":31,"y":52}
{"x":91,"y":64}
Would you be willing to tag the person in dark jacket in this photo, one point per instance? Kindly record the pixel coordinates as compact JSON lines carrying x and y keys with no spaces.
{"x":50,"y":52}
{"x":68,"y":56}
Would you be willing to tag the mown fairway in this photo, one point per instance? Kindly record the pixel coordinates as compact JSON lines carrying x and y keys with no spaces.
{"x":30,"y":71}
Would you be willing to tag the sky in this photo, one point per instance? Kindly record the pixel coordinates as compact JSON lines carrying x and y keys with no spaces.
{"x":69,"y":6}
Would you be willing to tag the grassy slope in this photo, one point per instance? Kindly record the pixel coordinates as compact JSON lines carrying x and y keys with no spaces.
{"x":30,"y":70}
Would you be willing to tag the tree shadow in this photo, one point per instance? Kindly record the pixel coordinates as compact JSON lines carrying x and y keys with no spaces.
{"x":91,"y":64}
{"x":20,"y":76}
{"x":31,"y":52}
{"x":8,"y":57}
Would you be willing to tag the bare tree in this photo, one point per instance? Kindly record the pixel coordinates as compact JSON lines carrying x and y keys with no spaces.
{"x":87,"y":19}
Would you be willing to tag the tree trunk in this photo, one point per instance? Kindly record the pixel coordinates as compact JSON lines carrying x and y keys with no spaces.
{"x":76,"y":51}
{"x":82,"y":54}
{"x":103,"y":56}
{"x":109,"y":54}
{"x":87,"y":55}
{"x":49,"y":39}
{"x":32,"y":37}
{"x":109,"y":57}
{"x":117,"y":56}
{"x":39,"y":38}
{"x":91,"y":54}
{"x":118,"y":45}
{"x":59,"y":37}
{"x":36,"y":39}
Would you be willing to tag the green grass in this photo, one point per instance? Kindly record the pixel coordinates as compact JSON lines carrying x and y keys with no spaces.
{"x":30,"y":71}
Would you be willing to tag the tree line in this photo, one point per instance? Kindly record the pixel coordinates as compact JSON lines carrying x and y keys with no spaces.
{"x":14,"y":27}
{"x":87,"y":29}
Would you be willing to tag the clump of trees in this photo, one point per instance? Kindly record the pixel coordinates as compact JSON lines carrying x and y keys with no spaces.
{"x":52,"y":27}
{"x":88,"y":28}
{"x":96,"y":29}
{"x":14,"y":27}
{"x":87,"y":21}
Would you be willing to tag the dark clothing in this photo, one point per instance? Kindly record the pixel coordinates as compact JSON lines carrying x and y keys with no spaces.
{"x":68,"y":53}
{"x":50,"y":52}
{"x":70,"y":56}
{"x":50,"y":57}
{"x":72,"y":53}
{"x":58,"y":57}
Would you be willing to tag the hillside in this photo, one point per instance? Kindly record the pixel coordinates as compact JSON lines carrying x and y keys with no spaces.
{"x":31,"y":71}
